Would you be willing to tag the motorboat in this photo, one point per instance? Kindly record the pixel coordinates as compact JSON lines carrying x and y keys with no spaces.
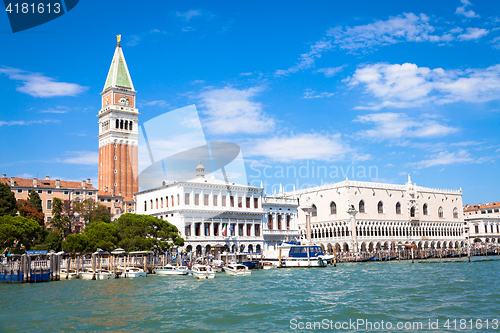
{"x":237,"y":269}
{"x":172,"y":270}
{"x":70,"y":274}
{"x":202,"y":272}
{"x":99,"y":275}
{"x":269,"y":265}
{"x":134,"y":272}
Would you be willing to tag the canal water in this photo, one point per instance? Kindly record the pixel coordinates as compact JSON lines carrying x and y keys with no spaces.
{"x":377,"y":293}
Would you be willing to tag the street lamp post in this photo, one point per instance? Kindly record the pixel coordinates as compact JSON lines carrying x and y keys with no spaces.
{"x":466,"y":231}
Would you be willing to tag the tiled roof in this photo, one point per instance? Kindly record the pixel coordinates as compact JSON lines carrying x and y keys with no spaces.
{"x":128,"y":199}
{"x":482,"y":206}
{"x":46,"y":183}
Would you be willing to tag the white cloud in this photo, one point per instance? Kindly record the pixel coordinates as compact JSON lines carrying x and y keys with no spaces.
{"x":408,"y":85}
{"x":446,"y":158}
{"x":134,"y":40}
{"x":462,"y":11}
{"x":57,"y":110}
{"x":313,"y":94}
{"x":27,"y":122}
{"x":233,"y":111}
{"x":389,"y":126}
{"x":160,"y":103}
{"x":305,"y":146}
{"x":307,"y":59}
{"x":467,"y":143}
{"x":331,"y":71}
{"x":25,"y":175}
{"x":81,"y":157}
{"x":38,"y":85}
{"x":496,"y":43}
{"x":197,"y":81}
{"x":473,"y":33}
{"x":189,"y":14}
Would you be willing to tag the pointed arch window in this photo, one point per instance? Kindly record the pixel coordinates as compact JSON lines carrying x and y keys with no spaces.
{"x":314,"y":211}
{"x":412,"y":212}
{"x":425,"y":209}
{"x":398,"y":208}
{"x":440,"y":212}
{"x":455,"y":213}
{"x":270,"y":222}
{"x":333,"y":208}
{"x":117,"y":124}
{"x":361,"y":206}
{"x":380,"y":207}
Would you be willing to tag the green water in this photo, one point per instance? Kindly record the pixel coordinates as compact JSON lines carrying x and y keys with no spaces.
{"x":267,"y":301}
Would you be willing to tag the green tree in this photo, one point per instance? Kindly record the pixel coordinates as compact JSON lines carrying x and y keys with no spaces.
{"x":58,"y":222}
{"x":101,"y":235}
{"x":144,"y":232}
{"x":27,"y":210}
{"x":74,"y":244}
{"x":53,"y":241}
{"x":35,"y":200}
{"x":7,"y":201}
{"x":92,"y":211}
{"x":18,"y":233}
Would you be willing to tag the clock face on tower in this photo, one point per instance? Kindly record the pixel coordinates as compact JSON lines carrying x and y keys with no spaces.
{"x":123,"y":101}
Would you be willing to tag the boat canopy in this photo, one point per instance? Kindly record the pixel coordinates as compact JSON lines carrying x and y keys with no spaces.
{"x":301,"y":251}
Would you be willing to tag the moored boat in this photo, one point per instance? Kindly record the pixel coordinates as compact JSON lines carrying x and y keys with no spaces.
{"x":172,"y":270}
{"x":202,"y":272}
{"x":237,"y":269}
{"x":269,"y":265}
{"x":71,"y":274}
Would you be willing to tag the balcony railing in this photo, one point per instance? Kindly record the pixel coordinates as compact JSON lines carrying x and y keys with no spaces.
{"x":281,"y":232}
{"x":279,"y":201}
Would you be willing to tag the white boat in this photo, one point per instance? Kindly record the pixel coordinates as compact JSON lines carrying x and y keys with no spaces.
{"x":172,"y":270}
{"x":202,"y":272}
{"x":269,"y":265}
{"x":296,"y":255}
{"x":63,"y":274}
{"x":99,"y":275}
{"x":237,"y":269}
{"x":133,"y":272}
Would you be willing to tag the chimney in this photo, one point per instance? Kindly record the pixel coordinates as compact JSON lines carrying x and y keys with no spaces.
{"x":112,"y":192}
{"x":34,"y":182}
{"x":83,"y":184}
{"x":88,"y":181}
{"x":12,"y":182}
{"x":47,"y":177}
{"x":58,"y":183}
{"x":105,"y":189}
{"x":4,"y":176}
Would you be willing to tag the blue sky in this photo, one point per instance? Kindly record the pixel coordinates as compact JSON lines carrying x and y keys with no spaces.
{"x":383,"y":88}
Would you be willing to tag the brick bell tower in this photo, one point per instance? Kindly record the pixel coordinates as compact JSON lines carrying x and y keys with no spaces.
{"x":118,"y":130}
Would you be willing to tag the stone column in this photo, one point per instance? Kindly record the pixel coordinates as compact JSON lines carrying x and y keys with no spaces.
{"x":307,"y":211}
{"x":352,"y":212}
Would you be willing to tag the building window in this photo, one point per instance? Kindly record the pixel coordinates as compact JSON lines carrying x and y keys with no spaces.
{"x":49,"y":204}
{"x":380,"y":207}
{"x":240,"y":229}
{"x":224,"y":201}
{"x":455,"y":213}
{"x":314,"y":211}
{"x":145,"y":206}
{"x":490,"y":211}
{"x":19,"y":191}
{"x":49,"y":191}
{"x":231,"y":199}
{"x":257,"y":230}
{"x":178,"y":199}
{"x":196,"y":199}
{"x":151,"y":203}
{"x":485,"y":229}
{"x":496,"y":210}
{"x":78,"y":192}
{"x":216,"y":229}
{"x":288,"y":222}
{"x":156,"y":203}
{"x":249,"y":230}
{"x":188,"y":230}
{"x":40,"y":191}
{"x":425,"y":210}
{"x":483,"y":212}
{"x":279,"y":222}
{"x":412,"y":212}
{"x":48,"y":219}
{"x":206,"y":200}
{"x":333,"y":208}
{"x":215,"y":200}
{"x":476,"y":229}
{"x":398,"y":208}
{"x":361,"y":206}
{"x":102,"y":200}
{"x":440,"y":212}
{"x":166,"y":201}
{"x":270,"y":222}
{"x":240,"y":202}
{"x":66,"y":192}
{"x":109,"y":200}
{"x":161,"y":202}
{"x":197,"y":227}
{"x":90,"y":193}
{"x":255,"y":202}
{"x":207,"y":229}
{"x":248,"y":203}
{"x":186,"y":199}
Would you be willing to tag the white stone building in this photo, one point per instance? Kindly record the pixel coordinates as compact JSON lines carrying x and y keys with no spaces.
{"x":384,"y":216}
{"x":483,"y":228}
{"x":210,"y":212}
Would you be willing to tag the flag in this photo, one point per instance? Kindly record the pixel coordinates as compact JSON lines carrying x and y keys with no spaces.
{"x":224,"y":229}
{"x":231,"y":230}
